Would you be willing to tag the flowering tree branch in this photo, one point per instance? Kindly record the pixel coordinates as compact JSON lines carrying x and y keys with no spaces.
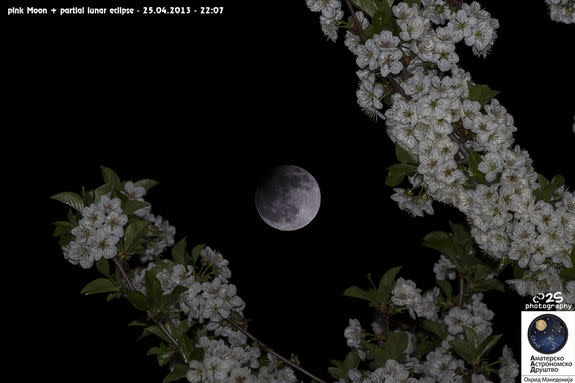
{"x":454,"y":139}
{"x":189,"y":304}
{"x":562,"y":11}
{"x":357,"y":25}
{"x":131,"y":288}
{"x":266,"y":348}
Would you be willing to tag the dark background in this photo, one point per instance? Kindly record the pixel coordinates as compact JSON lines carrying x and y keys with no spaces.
{"x":206,"y":105}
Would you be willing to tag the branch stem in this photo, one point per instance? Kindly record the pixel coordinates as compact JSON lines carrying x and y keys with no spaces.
{"x":266,"y":348}
{"x":358,"y":30}
{"x":461,"y":289}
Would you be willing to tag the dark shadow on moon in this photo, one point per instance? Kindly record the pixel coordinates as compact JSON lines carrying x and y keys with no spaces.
{"x":288,"y":199}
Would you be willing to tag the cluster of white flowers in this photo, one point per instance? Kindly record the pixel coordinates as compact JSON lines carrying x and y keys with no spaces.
{"x":415,"y":203}
{"x":97,"y":233}
{"x":509,"y":367}
{"x":441,"y":365}
{"x":562,"y":11}
{"x":209,"y":300}
{"x":223,"y":363}
{"x":475,"y":315}
{"x":391,"y":372}
{"x":353,"y":334}
{"x":406,"y":294}
{"x":434,"y":119}
{"x":444,"y":269}
{"x":331,"y":15}
{"x":569,"y":294}
{"x":161,"y":233}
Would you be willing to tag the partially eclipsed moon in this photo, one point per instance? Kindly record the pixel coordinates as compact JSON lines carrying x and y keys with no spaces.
{"x":288,"y":199}
{"x":540,"y":325}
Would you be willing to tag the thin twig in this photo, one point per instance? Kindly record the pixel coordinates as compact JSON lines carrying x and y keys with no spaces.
{"x":398,"y":88}
{"x":266,"y":348}
{"x":461,"y":289}
{"x":358,"y":30}
{"x":124,"y":275}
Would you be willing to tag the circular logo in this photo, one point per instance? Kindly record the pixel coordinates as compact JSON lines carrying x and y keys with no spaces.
{"x":547,"y":333}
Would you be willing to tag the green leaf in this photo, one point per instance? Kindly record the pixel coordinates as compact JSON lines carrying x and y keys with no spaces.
{"x":396,"y":344}
{"x":168,"y":300}
{"x":139,"y":300}
{"x":567,"y":273}
{"x":351,"y":361}
{"x":487,"y":345}
{"x":163,"y":354}
{"x":196,"y":252}
{"x":179,"y":252}
{"x":470,"y":336}
{"x":517,"y":271}
{"x":177,"y":373}
{"x":481,"y":93}
{"x":133,"y":205}
{"x":434,"y":328}
{"x":369,"y":7}
{"x":381,"y":20}
{"x":74,"y":200}
{"x":442,"y":242}
{"x":111,"y":178}
{"x":103,"y":266}
{"x":481,"y":271}
{"x":138,"y":323}
{"x":464,"y":350}
{"x":336,"y":372}
{"x":72,"y":217}
{"x":101,"y":285}
{"x":403,"y":155}
{"x":146,"y":183}
{"x":101,"y":190}
{"x":88,"y":196}
{"x":489,"y":284}
{"x":65,"y":239}
{"x":113,"y":296}
{"x":153,"y":289}
{"x":341,"y":369}
{"x":185,"y":343}
{"x":62,"y":227}
{"x":547,"y":188}
{"x":386,"y":283}
{"x":445,"y":286}
{"x":425,"y":346}
{"x":356,"y":292}
{"x":392,"y":349}
{"x":134,"y":234}
{"x":476,"y":177}
{"x":462,"y":239}
{"x":397,"y":173}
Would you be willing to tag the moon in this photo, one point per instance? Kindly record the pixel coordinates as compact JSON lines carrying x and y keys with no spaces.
{"x":288,"y":199}
{"x":540,"y":325}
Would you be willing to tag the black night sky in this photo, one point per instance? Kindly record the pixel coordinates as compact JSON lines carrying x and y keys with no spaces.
{"x":207,"y":106}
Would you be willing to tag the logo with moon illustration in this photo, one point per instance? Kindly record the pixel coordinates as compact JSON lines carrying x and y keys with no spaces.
{"x":547,"y":334}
